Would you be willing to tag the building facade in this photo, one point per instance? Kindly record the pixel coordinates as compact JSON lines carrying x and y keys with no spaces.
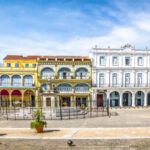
{"x":18,"y":81}
{"x":65,"y":81}
{"x":121,"y":75}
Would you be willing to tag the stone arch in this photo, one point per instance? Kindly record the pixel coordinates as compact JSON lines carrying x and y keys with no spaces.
{"x":28,"y":80}
{"x":64,"y":73}
{"x":16,"y":98}
{"x":16,"y":80}
{"x":127,"y":98}
{"x":81,"y":73}
{"x":139,"y":98}
{"x":114,"y":99}
{"x":4,"y":101}
{"x":47,"y":72}
{"x":4,"y":80}
{"x":81,"y":87}
{"x":29,"y":98}
{"x":64,"y":87}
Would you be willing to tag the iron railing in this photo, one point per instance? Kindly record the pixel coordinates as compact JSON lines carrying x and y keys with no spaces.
{"x":59,"y":112}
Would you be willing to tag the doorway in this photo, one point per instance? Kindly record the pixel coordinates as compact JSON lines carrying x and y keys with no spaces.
{"x":65,"y":101}
{"x":99,"y":100}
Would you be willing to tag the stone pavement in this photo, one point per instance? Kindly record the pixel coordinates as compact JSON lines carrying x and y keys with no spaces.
{"x":127,"y":117}
{"x":76,"y":133}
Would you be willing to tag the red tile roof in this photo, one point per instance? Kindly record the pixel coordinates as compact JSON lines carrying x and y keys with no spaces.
{"x":8,"y":57}
{"x":11,"y":57}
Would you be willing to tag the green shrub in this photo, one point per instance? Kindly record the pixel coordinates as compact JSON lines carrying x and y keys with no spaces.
{"x":37,"y":120}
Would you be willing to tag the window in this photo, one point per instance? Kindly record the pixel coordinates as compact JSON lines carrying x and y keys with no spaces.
{"x":127,"y":61}
{"x":102,"y":60}
{"x":34,"y":65}
{"x":114,"y":78}
{"x":26,"y":65}
{"x":17,"y":65}
{"x":8,"y":65}
{"x":115,"y":60}
{"x":139,"y":78}
{"x":127,"y":78}
{"x":101,"y":79}
{"x":140,"y":61}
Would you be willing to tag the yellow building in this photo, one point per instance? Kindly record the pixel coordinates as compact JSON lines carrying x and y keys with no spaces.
{"x":18,"y":81}
{"x":53,"y":81}
{"x":65,"y":81}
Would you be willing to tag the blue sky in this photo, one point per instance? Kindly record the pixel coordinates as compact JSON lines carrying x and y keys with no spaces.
{"x":72,"y":27}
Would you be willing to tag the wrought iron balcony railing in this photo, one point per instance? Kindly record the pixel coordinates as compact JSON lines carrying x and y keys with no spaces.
{"x":125,"y":85}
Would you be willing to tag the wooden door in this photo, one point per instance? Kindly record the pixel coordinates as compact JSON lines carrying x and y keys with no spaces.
{"x":99,"y":100}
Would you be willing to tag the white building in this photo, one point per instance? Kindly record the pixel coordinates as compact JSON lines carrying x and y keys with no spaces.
{"x":121,"y":75}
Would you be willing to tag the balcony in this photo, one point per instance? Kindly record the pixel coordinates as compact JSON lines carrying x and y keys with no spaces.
{"x":81,"y":91}
{"x":66,"y":91}
{"x":64,"y":77}
{"x":47,"y":78}
{"x":9,"y":85}
{"x":125,"y":85}
{"x":3,"y":69}
{"x":82,"y":77}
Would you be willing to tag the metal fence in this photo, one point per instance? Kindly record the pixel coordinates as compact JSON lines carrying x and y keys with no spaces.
{"x":56,"y":113}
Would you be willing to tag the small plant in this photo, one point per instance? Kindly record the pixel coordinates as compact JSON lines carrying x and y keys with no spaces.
{"x":37,"y":123}
{"x":82,"y":106}
{"x":65,"y":104}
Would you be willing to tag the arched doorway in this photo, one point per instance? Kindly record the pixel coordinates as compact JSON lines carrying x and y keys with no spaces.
{"x":47,"y":73}
{"x":4,"y":98}
{"x":16,"y":80}
{"x":81,"y":73}
{"x":16,"y":98}
{"x":28,"y":80}
{"x":64,"y":73}
{"x":148,"y":99}
{"x":114,"y":99}
{"x":29,"y":98}
{"x":139,"y":98}
{"x":127,"y":99}
{"x":4,"y":80}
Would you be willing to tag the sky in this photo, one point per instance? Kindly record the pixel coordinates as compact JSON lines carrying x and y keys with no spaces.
{"x":72,"y":27}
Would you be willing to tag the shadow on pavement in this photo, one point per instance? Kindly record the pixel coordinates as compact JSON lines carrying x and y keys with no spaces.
{"x":50,"y":130}
{"x":2,"y":134}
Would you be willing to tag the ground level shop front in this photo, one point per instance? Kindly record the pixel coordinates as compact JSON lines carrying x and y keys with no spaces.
{"x":124,"y":98}
{"x":65,"y":100}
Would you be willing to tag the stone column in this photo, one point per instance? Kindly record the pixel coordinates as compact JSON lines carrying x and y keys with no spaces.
{"x":133,"y":99}
{"x":145,"y":99}
{"x":22,"y":100}
{"x":120,"y":99}
{"x":72,"y":101}
{"x":89,"y":102}
{"x":10,"y":100}
{"x":44,"y":101}
{"x":73,"y":72}
{"x":93,"y":100}
{"x":108,"y":98}
{"x":36,"y":98}
{"x":21,"y":80}
{"x":10,"y":80}
{"x":56,"y":72}
{"x":52,"y":102}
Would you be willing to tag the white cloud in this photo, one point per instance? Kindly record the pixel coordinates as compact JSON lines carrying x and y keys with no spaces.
{"x":142,"y":21}
{"x":76,"y":46}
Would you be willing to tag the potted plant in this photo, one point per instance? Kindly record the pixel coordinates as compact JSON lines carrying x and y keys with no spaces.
{"x":37,"y":123}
